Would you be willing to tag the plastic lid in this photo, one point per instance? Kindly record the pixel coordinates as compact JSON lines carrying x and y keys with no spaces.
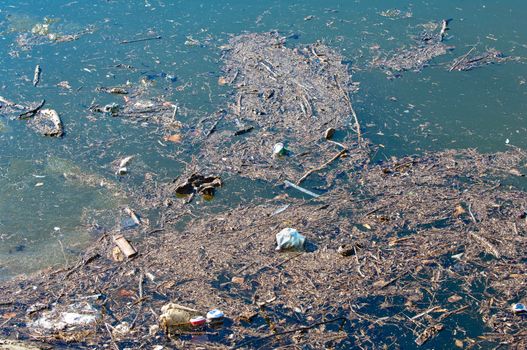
{"x":215,"y":314}
{"x":519,"y":307}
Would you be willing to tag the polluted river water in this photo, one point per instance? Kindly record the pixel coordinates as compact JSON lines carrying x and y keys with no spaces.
{"x":60,"y":195}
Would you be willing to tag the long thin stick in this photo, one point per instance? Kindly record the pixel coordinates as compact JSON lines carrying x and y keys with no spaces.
{"x":450,"y":313}
{"x":301,"y":189}
{"x":32,"y":112}
{"x":353,"y":114}
{"x":458,"y":61}
{"x":424,"y":313}
{"x":139,"y":40}
{"x":357,"y":125}
{"x":36,"y":76}
{"x":63,"y":253}
{"x":335,"y":157}
{"x":444,"y":28}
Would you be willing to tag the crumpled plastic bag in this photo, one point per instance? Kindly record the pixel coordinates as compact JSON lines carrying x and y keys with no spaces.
{"x":70,"y":316}
{"x":289,"y":238}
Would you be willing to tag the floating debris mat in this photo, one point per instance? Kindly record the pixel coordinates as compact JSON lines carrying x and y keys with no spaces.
{"x":139,"y":106}
{"x":45,"y":121}
{"x":15,"y":110}
{"x":471,"y":61}
{"x":47,"y":31}
{"x":428,"y":46}
{"x":428,"y":244}
{"x":285,"y":101}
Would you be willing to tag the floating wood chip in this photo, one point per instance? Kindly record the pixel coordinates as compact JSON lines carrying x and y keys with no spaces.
{"x":36,"y":76}
{"x":124,"y":162}
{"x":428,"y":333}
{"x":516,"y":172}
{"x":454,"y":298}
{"x":328,"y":134}
{"x":173,"y":138}
{"x":118,"y":91}
{"x":125,"y":246}
{"x":459,"y":210}
{"x":489,"y":247}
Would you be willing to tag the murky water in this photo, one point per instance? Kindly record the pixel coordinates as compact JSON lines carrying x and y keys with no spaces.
{"x":56,"y":194}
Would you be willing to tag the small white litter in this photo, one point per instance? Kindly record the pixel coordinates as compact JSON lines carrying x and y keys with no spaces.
{"x":289,"y":238}
{"x":60,"y":317}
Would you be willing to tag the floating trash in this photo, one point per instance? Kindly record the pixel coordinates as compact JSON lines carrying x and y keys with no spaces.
{"x":121,"y":330}
{"x":174,"y":315}
{"x":328,"y":134}
{"x":198,"y":321}
{"x":122,"y":171}
{"x":75,"y":315}
{"x":215,"y":315}
{"x":279,"y":149}
{"x":289,"y":238}
{"x":112,"y":108}
{"x":519,"y":308}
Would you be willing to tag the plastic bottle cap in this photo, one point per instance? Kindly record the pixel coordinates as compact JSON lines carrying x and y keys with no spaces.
{"x":215,"y":315}
{"x":198,"y":321}
{"x":519,"y":307}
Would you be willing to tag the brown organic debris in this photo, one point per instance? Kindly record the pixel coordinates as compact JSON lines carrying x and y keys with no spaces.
{"x":426,"y":47}
{"x":399,"y":223}
{"x":200,"y":184}
{"x":283,"y":95}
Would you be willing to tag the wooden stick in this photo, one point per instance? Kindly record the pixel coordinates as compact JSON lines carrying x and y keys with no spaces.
{"x":424,"y":313}
{"x":32,"y":112}
{"x":335,"y":157}
{"x":301,"y":189}
{"x":141,"y":39}
{"x":444,"y":28}
{"x":36,"y":76}
{"x":63,"y":253}
{"x":450,"y":313}
{"x":7,"y":102}
{"x":141,"y":278}
{"x":458,"y":61}
{"x":213,"y":127}
{"x":356,"y":119}
{"x":235,"y":76}
{"x":358,"y":261}
{"x":471,"y":214}
{"x":337,"y":143}
{"x":303,"y":109}
{"x":307,"y":104}
{"x":489,"y":247}
{"x":273,"y":73}
{"x":353,"y":114}
{"x":81,"y":263}
{"x":239,"y":105}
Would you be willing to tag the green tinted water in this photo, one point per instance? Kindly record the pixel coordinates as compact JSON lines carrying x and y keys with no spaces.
{"x":45,"y":216}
